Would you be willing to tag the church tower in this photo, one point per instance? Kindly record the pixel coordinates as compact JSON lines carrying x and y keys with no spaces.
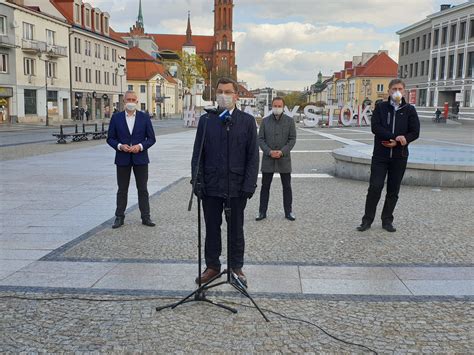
{"x":224,"y":46}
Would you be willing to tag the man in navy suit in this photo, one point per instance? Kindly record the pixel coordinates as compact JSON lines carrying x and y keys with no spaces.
{"x":131,"y":135}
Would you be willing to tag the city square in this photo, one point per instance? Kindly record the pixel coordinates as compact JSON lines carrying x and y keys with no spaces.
{"x":207,"y":102}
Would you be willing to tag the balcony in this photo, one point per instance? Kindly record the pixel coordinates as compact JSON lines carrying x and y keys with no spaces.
{"x":54,"y":51}
{"x":6,"y":42}
{"x":32,"y":46}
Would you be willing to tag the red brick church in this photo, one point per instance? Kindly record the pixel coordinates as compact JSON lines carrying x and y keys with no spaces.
{"x":217,"y":51}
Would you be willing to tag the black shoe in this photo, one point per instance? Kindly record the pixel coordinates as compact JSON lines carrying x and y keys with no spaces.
{"x":260,"y":216}
{"x":290,"y":216}
{"x":148,"y":222}
{"x":363,"y":227}
{"x":118,"y":222}
{"x":389,"y":227}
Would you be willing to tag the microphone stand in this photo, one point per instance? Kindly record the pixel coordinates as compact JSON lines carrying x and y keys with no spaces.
{"x":231,"y":278}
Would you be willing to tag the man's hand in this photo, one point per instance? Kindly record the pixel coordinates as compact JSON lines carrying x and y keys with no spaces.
{"x":402,"y":140}
{"x":276,"y":154}
{"x":390,"y":144}
{"x":246,"y":195}
{"x":125,"y":148}
{"x":135,"y":149}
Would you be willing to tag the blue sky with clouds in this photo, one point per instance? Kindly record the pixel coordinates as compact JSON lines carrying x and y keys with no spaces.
{"x":283,"y":43}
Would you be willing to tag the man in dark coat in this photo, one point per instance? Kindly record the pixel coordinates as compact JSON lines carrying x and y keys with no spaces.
{"x":215,"y":169}
{"x":131,"y":135}
{"x":276,"y":137}
{"x":395,"y":124}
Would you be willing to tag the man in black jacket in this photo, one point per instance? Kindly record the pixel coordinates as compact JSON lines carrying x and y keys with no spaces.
{"x":215,"y":169}
{"x":395,"y":124}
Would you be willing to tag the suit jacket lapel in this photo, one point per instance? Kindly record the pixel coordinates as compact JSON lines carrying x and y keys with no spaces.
{"x":136,"y":122}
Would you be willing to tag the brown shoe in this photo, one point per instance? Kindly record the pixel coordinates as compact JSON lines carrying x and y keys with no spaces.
{"x":241,"y":276}
{"x":207,"y":275}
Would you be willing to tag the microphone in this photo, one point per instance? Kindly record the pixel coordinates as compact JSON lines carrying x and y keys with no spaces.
{"x":225,"y":117}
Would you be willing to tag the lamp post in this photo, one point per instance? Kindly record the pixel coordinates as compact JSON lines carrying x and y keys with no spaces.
{"x":159,"y":96}
{"x":45,"y":85}
{"x":121,"y":73}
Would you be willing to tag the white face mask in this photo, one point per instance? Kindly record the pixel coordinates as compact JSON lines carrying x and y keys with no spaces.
{"x":225,"y":101}
{"x":131,"y":106}
{"x":277,"y":111}
{"x":397,"y":96}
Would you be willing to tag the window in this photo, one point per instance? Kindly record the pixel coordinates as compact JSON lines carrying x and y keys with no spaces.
{"x":106,"y":78}
{"x":106,"y":53}
{"x":97,"y":22}
{"x":406,"y":47}
{"x":28,"y":30}
{"x":422,"y":97}
{"x":30,"y":102}
{"x":444,"y":35}
{"x":51,"y":69}
{"x":417,"y":44}
{"x":470,"y":64}
{"x":402,"y":49}
{"x":436,"y":37}
{"x":97,"y":76}
{"x":460,"y":65}
{"x":52,"y":96}
{"x":88,"y":75}
{"x":427,"y":67}
{"x":416,"y":69}
{"x":413,"y":45}
{"x":462,"y":31}
{"x":429,"y":40}
{"x":422,"y":71}
{"x":77,"y":45}
{"x":88,"y":18}
{"x":29,"y":66}
{"x":142,"y":88}
{"x":106,"y":25}
{"x":78,"y":72}
{"x":3,"y":25}
{"x":453,"y":34}
{"x":471,"y":31}
{"x":379,"y":87}
{"x":97,"y":50}
{"x":130,"y":88}
{"x":88,"y":50}
{"x":50,"y":37}
{"x":411,"y":70}
{"x":435,"y":65}
{"x":77,"y":13}
{"x":467,"y":98}
{"x":405,"y":73}
{"x":451,"y":66}
{"x":114,"y":79}
{"x":424,"y":42}
{"x":114,"y":55}
{"x":442,"y":64}
{"x":432,"y":103}
{"x":142,"y":107}
{"x":3,"y":63}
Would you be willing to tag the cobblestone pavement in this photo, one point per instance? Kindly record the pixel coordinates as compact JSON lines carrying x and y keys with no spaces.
{"x":327,"y":210}
{"x":135,"y":326}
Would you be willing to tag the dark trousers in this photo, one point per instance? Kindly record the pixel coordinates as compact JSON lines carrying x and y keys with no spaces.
{"x":213,"y":208}
{"x":123,"y":181}
{"x":394,"y":169}
{"x":265,"y":192}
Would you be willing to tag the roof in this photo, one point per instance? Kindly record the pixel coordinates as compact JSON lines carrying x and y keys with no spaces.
{"x":142,"y":66}
{"x":244,"y":93}
{"x":203,"y":44}
{"x":380,"y":65}
{"x":65,"y":7}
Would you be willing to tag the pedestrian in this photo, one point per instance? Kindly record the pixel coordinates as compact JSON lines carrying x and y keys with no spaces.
{"x":438,"y":114}
{"x":131,"y":135}
{"x":87,"y":114}
{"x":242,"y":158}
{"x":276,"y":138}
{"x":395,"y":124}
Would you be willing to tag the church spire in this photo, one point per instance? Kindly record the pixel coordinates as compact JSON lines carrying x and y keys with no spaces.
{"x":140,"y":15}
{"x":189,"y":33}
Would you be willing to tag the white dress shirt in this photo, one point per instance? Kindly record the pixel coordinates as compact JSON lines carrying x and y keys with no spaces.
{"x":130,"y":119}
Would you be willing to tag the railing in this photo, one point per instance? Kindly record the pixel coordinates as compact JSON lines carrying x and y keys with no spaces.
{"x":56,"y":51}
{"x":6,"y":41}
{"x":32,"y":45}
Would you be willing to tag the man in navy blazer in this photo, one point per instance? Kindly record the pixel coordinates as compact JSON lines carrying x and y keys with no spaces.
{"x":131,"y":135}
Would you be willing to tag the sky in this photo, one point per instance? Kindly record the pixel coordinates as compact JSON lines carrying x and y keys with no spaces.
{"x":285,"y":43}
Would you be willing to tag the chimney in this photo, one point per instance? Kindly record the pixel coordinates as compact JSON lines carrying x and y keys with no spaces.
{"x":445,"y":7}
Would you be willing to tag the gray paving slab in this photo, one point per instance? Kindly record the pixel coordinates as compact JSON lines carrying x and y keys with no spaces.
{"x":347,"y":273}
{"x":22,"y":254}
{"x":46,"y":279}
{"x":31,"y":244}
{"x":55,"y":267}
{"x":148,"y":269}
{"x":354,"y":287}
{"x":132,"y":282}
{"x":13,"y":265}
{"x":441,"y":287}
{"x":434,"y":273}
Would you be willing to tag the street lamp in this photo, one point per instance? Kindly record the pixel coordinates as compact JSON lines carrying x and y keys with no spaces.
{"x":159,"y":96}
{"x":45,"y":84}
{"x":121,"y":71}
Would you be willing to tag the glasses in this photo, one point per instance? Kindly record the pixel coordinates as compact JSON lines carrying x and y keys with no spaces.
{"x":220,"y":92}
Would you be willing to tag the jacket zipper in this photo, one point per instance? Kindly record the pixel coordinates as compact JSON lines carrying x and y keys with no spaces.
{"x":393,"y":129}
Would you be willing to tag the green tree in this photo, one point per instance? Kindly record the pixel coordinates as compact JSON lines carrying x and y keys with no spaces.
{"x":192,"y":68}
{"x":295,"y":99}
